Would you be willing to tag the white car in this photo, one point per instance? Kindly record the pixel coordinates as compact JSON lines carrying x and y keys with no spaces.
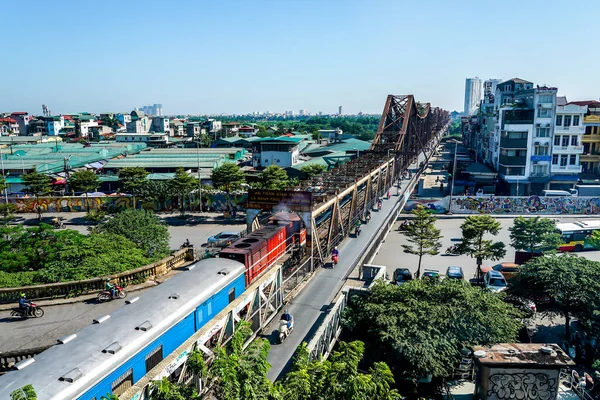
{"x":494,"y":281}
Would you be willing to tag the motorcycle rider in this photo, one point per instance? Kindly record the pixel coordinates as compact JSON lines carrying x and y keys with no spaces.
{"x":335,"y":253}
{"x":379,"y":204}
{"x":288,"y":317}
{"x":187,"y":243}
{"x":110,"y":287}
{"x":24,"y":304}
{"x":368,"y":217}
{"x":357,"y":226}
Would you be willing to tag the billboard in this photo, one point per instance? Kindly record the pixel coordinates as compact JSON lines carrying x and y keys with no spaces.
{"x":290,"y":200}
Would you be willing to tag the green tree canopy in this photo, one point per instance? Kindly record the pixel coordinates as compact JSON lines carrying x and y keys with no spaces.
{"x":228,"y":177}
{"x":338,"y":377}
{"x":143,"y":228}
{"x":571,"y":283}
{"x":274,"y":178}
{"x":423,"y":235}
{"x":133,"y":180}
{"x":313,"y":169}
{"x":534,"y":235}
{"x":25,"y":393}
{"x":473,"y":243}
{"x":84,"y":181}
{"x":182,"y":185}
{"x":3,"y":184}
{"x":420,"y":327}
{"x":37,"y":184}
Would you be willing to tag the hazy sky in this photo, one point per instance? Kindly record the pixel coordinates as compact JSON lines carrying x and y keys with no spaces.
{"x":236,"y":56}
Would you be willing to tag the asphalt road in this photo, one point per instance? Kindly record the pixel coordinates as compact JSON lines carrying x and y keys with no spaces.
{"x":69,"y":318}
{"x":392,"y":256}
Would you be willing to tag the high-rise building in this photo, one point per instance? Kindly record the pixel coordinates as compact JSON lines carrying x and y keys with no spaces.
{"x":472,"y":94}
{"x":340,"y":110}
{"x":489,"y":89}
{"x":303,"y":112}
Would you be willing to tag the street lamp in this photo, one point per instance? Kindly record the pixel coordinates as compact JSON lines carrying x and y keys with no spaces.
{"x":22,"y":162}
{"x":453,"y":177}
{"x":199,"y":177}
{"x":66,"y":160}
{"x":3,"y":175}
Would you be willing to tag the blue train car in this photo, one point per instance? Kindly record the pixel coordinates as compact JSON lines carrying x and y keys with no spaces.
{"x":116,"y":351}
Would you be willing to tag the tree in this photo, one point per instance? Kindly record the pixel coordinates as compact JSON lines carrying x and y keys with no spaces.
{"x":182,"y":185}
{"x":3,"y":185}
{"x":228,"y":177}
{"x":274,"y":178}
{"x":534,"y":235}
{"x":570,"y":283}
{"x":594,"y":240}
{"x":166,"y":390}
{"x":420,"y":327}
{"x":85,"y":181}
{"x":143,"y":228}
{"x":422,"y":232}
{"x":473,"y":230}
{"x":156,"y":191}
{"x":25,"y":393}
{"x":338,"y":377}
{"x":7,"y":212}
{"x":37,"y":184}
{"x":313,"y":170}
{"x":133,"y":180}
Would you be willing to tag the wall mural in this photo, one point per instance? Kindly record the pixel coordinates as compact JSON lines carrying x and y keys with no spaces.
{"x":210,"y":202}
{"x":521,"y":386}
{"x":434,"y":206}
{"x":525,"y":205}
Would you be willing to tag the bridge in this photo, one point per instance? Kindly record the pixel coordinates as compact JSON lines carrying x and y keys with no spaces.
{"x":407,"y":135}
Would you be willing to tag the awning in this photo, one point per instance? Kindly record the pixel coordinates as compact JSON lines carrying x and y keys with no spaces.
{"x":565,"y":178}
{"x":59,"y":181}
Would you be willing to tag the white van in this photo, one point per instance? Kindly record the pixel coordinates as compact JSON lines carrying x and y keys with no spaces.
{"x":557,"y":193}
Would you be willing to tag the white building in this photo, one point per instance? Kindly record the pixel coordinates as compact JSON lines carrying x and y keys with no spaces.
{"x":282,"y":151}
{"x":148,"y":138}
{"x":567,"y":144}
{"x":303,"y":112}
{"x":472,"y":94}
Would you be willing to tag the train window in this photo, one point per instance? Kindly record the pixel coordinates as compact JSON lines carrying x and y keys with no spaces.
{"x":209,"y":308}
{"x":153,"y":358}
{"x":122,"y":383}
{"x":199,"y":316}
{"x":231,"y":294}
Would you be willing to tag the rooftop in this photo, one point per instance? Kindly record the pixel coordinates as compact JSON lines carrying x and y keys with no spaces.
{"x":521,"y":354}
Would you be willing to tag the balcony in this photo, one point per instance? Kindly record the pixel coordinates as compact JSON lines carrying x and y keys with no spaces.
{"x":567,"y":149}
{"x":513,"y":143}
{"x":567,"y":169}
{"x":589,"y":158}
{"x":590,"y":138}
{"x":539,"y":177}
{"x":509,"y":160}
{"x":520,"y":117}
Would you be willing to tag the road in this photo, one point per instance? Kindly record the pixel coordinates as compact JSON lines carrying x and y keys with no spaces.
{"x":391,"y":255}
{"x":69,"y":318}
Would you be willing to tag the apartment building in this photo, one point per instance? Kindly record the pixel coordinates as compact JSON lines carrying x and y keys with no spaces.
{"x":590,"y":158}
{"x":567,"y":146}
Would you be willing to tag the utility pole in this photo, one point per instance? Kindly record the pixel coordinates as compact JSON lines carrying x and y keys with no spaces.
{"x":4,"y":176}
{"x":199,"y":177}
{"x":66,"y":167}
{"x":453,"y":177}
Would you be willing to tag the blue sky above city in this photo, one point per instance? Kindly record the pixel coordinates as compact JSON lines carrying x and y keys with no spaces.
{"x":230,"y":56}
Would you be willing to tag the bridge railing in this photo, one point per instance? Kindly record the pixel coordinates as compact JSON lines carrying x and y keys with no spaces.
{"x":82,"y":287}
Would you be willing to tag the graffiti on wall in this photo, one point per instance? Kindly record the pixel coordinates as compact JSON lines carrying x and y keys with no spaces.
{"x":210,"y":202}
{"x":434,"y":206}
{"x":521,"y":386}
{"x":525,"y":205}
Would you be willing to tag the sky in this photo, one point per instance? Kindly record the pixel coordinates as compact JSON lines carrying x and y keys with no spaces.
{"x":240,"y":56}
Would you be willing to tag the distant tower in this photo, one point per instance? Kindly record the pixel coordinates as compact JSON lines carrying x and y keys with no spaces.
{"x":472,"y":94}
{"x":340,"y":110}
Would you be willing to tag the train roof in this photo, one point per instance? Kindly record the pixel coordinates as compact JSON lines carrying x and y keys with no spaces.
{"x":128,"y":330}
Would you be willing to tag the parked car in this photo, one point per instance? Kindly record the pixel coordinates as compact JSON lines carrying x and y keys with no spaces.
{"x":224,"y":236}
{"x":494,"y":281}
{"x":402,"y":275}
{"x":509,"y":270}
{"x":431,"y":274}
{"x":454,"y":272}
{"x":522,"y":304}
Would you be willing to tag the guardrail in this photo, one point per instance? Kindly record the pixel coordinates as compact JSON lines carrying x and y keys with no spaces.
{"x":78,"y":288}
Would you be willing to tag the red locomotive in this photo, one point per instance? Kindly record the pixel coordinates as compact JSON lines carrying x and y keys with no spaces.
{"x":262,"y":248}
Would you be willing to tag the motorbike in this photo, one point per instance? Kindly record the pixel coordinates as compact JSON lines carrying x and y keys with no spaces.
{"x":357,"y":231}
{"x":334,"y":259}
{"x":58,"y":222}
{"x":453,"y":250}
{"x":105,"y":294}
{"x":403,"y":226}
{"x":34,"y":311}
{"x":284,"y":331}
{"x":368,"y":218}
{"x":379,"y":206}
{"x":186,"y":245}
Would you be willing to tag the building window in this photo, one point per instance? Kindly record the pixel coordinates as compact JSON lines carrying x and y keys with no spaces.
{"x":542,"y":132}
{"x":573,"y":140}
{"x":153,"y":358}
{"x":122,"y":383}
{"x":209,"y":308}
{"x":541,"y":150}
{"x":572,"y":159}
{"x":545,"y":98}
{"x":563,"y":160}
{"x":231,"y":295}
{"x":555,"y":159}
{"x":514,"y":135}
{"x":565,"y":141}
{"x":544,"y":113}
{"x":559,"y":120}
{"x":575,"y":120}
{"x":557,"y":140}
{"x":567,"y":120}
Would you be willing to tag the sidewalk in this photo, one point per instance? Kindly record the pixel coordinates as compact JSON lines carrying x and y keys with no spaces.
{"x":170,"y":218}
{"x":78,"y":299}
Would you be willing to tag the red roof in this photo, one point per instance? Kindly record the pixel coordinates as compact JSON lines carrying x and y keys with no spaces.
{"x":19,"y":113}
{"x":585,"y":103}
{"x":9,"y":120}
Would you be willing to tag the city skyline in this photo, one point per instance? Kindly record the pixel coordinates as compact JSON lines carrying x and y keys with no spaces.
{"x":285,"y":60}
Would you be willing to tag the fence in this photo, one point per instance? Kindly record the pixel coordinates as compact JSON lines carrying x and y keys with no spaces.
{"x":78,"y":288}
{"x":525,"y":205}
